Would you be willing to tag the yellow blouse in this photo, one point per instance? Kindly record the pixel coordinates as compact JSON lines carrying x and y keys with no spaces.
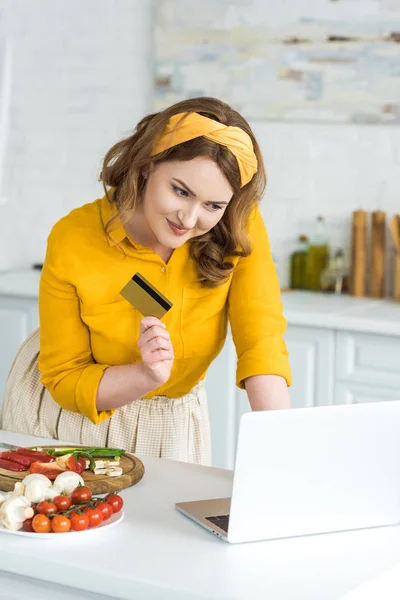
{"x":87,"y":326}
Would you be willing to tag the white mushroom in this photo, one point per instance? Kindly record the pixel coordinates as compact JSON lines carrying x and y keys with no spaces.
{"x":14,"y":511}
{"x":3,"y":497}
{"x":114,"y":471}
{"x":100,"y":471}
{"x":52,"y":492}
{"x":36,"y":489}
{"x":38,"y":477}
{"x":68,"y":481}
{"x":19,"y":489}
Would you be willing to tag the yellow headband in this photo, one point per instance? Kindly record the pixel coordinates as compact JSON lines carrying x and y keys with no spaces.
{"x":187,"y":126}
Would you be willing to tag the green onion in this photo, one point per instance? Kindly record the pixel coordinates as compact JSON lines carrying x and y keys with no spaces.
{"x":91,"y":452}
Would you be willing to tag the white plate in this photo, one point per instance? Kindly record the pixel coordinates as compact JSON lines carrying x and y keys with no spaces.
{"x":114,"y":520}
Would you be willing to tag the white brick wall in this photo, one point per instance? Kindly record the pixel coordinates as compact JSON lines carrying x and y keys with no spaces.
{"x":329,"y":170}
{"x":82,"y":79}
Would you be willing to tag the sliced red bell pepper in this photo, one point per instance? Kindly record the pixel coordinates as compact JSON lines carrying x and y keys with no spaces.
{"x":81,"y":464}
{"x":8,"y":465}
{"x":72,"y":464}
{"x":18,"y":458}
{"x":51,"y":470}
{"x":36,"y":454}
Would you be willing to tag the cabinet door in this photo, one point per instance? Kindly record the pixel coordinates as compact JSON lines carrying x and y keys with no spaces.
{"x":18,"y":318}
{"x":311,"y":354}
{"x":368,"y":359}
{"x":354,"y":393}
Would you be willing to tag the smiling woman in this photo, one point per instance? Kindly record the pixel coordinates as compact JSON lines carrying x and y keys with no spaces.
{"x":181,"y":198}
{"x":180,"y":207}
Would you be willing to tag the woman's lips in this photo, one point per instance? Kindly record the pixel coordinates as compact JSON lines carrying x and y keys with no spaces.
{"x":176,"y":229}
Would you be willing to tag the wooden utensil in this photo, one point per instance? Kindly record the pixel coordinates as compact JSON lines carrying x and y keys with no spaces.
{"x":395,"y":229}
{"x":359,"y":253}
{"x":133,"y":471}
{"x":378,"y":255}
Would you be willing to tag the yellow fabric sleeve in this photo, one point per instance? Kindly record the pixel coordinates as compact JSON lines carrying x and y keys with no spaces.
{"x":67,"y":366}
{"x":255,"y":311}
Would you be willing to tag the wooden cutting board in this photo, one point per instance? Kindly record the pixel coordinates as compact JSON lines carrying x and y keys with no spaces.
{"x":133,"y":471}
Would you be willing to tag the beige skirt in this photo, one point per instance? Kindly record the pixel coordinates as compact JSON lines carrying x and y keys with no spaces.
{"x":174,"y":428}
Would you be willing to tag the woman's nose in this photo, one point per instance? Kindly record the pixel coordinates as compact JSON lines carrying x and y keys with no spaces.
{"x":188,"y":218}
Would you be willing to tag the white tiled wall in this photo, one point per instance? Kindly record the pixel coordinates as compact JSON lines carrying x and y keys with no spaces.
{"x":82,"y":79}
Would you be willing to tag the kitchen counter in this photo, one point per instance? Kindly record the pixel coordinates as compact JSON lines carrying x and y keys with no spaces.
{"x":329,"y":311}
{"x":156,"y":553}
{"x":301,"y":308}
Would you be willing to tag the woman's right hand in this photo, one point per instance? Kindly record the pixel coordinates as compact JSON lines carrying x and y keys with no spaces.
{"x":156,"y":349}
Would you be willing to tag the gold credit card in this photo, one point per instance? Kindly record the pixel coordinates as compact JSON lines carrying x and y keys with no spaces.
{"x":145,"y":297}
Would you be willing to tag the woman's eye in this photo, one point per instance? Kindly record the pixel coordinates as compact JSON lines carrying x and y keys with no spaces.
{"x":213,"y":206}
{"x":179,"y":191}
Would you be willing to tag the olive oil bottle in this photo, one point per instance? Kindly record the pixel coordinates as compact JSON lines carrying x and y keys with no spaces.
{"x":298,"y":265}
{"x":317,"y":256}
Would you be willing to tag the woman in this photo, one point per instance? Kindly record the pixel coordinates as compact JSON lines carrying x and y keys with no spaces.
{"x":181,"y":208}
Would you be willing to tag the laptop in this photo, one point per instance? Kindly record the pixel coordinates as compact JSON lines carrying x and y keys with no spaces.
{"x":307,"y":471}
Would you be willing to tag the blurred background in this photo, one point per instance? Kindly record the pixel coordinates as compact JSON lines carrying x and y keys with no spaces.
{"x":319,"y":82}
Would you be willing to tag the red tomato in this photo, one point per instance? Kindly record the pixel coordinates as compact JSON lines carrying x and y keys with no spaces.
{"x":27,"y":525}
{"x":46,"y":508}
{"x":95,"y":516}
{"x":115,"y":501}
{"x":81,"y":494}
{"x":60,"y":524}
{"x":62,"y":502}
{"x":41,"y":524}
{"x":106,"y":510}
{"x":79,"y":522}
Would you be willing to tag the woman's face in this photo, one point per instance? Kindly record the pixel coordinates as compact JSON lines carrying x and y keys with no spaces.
{"x":184,"y":199}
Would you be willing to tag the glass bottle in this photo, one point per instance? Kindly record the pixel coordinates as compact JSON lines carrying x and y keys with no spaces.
{"x":298,"y":265}
{"x":335,"y":277}
{"x":317,"y":256}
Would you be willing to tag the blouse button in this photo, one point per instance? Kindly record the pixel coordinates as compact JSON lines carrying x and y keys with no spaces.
{"x":163,"y":269}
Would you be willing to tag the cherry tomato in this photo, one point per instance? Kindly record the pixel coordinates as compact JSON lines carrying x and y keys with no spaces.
{"x":46,"y":508}
{"x":27,"y":525}
{"x":62,"y":502}
{"x":115,"y":501}
{"x":41,"y":524}
{"x":81,"y":494}
{"x":60,"y":524}
{"x":106,"y":510}
{"x":79,"y":522}
{"x":95,"y":516}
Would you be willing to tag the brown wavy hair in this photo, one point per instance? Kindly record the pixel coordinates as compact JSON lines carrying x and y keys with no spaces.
{"x":125,"y":163}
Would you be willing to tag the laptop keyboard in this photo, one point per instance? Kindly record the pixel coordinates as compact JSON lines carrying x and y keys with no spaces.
{"x":221,"y":520}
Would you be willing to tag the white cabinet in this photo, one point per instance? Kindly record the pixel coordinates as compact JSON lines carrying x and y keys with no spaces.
{"x":223,"y":406}
{"x":367,"y":367}
{"x":333,"y":361}
{"x":18,"y":318}
{"x":368,"y":358}
{"x":312,"y":355}
{"x":355,"y":393}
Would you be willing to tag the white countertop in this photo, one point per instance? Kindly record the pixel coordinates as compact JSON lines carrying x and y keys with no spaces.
{"x":301,"y":308}
{"x":156,"y":553}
